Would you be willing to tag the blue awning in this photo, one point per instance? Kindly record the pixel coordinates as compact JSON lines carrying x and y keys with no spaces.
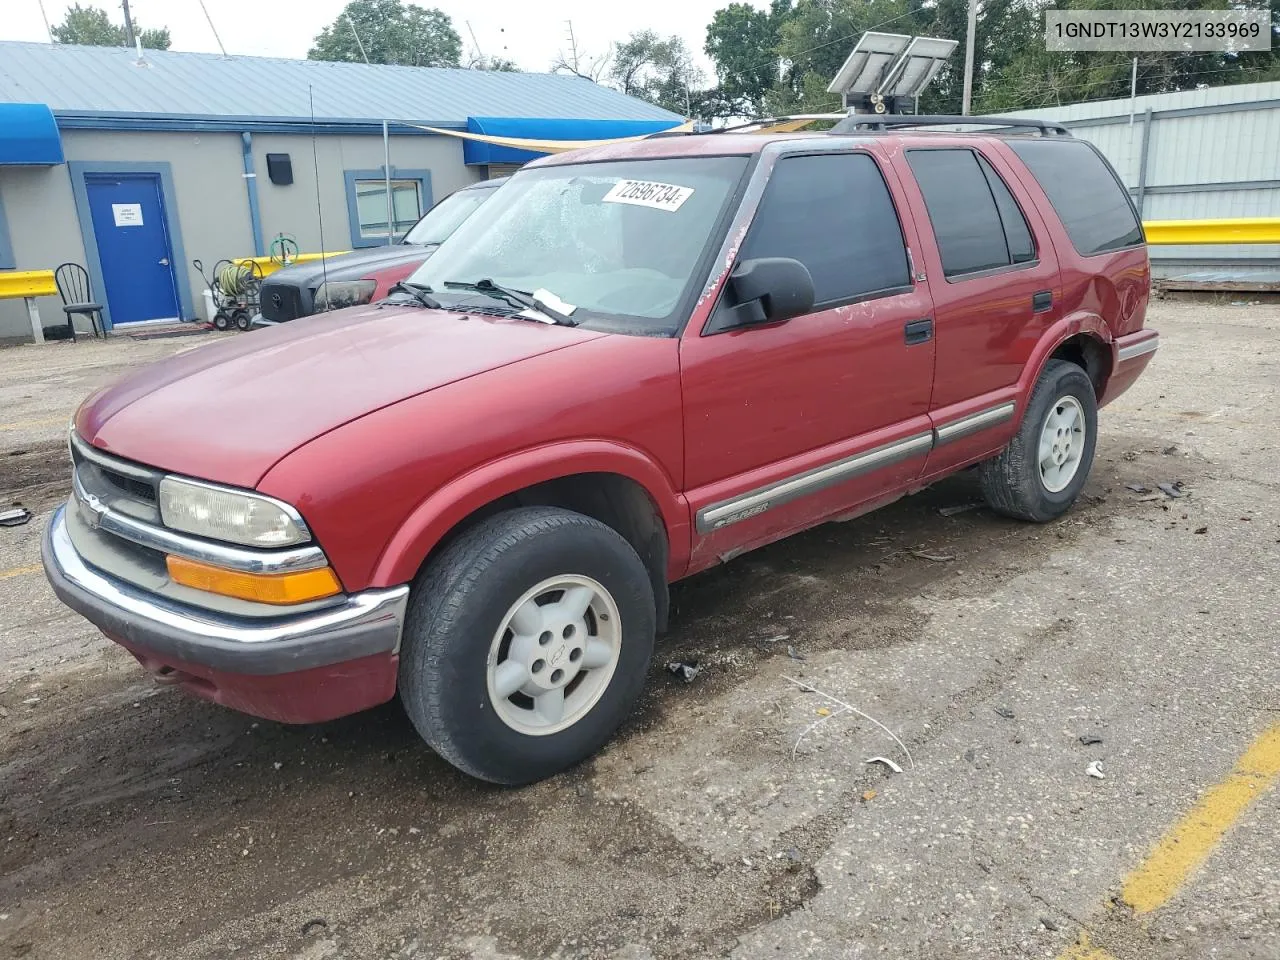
{"x":29,"y":135}
{"x":533,"y":129}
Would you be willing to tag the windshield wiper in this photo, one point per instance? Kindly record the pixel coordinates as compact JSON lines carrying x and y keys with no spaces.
{"x":418,"y":292}
{"x":518,"y":297}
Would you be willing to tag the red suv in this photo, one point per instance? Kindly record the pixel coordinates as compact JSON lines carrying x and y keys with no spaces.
{"x":633,"y":363}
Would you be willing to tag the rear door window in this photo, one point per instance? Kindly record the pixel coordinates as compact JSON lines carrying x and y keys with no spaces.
{"x":1085,"y":192}
{"x":962,"y":210}
{"x":1017,"y":234}
{"x":833,"y":213}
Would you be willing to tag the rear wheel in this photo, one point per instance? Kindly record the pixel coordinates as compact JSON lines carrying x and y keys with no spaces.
{"x":1039,"y":475}
{"x":526,"y":644}
{"x":241,"y":319}
{"x":221,"y":321}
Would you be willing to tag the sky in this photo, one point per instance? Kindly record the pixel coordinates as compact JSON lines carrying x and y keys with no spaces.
{"x":530,"y":32}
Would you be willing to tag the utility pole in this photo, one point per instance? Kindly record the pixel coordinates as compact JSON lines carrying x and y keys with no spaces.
{"x":968,"y":57}
{"x":45,"y":17}
{"x":128,"y":24}
{"x":573,"y":47}
{"x":354,"y":32}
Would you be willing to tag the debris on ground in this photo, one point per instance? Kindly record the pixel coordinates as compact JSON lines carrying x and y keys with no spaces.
{"x":868,"y":796}
{"x":844,"y":707}
{"x":1151,"y":497}
{"x":824,"y":711}
{"x":1137,"y":487}
{"x":1095,"y":770}
{"x":1202,"y":530}
{"x":1089,"y":739}
{"x":793,"y":653}
{"x":1048,"y":924}
{"x":314,"y":925}
{"x":1169,"y":451}
{"x":14,"y":516}
{"x":886,"y":761}
{"x":1004,"y":712}
{"x":778,"y":639}
{"x":959,"y":508}
{"x":685,"y":670}
{"x":1174,"y":489}
{"x":935,"y":557}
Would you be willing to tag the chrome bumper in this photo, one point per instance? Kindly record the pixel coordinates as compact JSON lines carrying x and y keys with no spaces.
{"x":364,"y":624}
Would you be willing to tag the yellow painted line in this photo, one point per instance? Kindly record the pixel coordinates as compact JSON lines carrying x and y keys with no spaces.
{"x":1188,"y":844}
{"x":20,"y":571}
{"x":37,"y":422}
{"x":1082,"y":949}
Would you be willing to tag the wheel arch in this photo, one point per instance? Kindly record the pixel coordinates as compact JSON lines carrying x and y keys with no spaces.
{"x":1082,"y":339}
{"x":615,"y":484}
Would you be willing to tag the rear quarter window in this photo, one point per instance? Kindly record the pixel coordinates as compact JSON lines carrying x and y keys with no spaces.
{"x":1086,"y":194}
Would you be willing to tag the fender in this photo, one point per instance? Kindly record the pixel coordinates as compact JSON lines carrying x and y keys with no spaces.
{"x":1081,"y":321}
{"x":456,"y":500}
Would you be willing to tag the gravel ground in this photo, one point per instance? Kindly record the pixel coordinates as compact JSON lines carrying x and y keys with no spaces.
{"x":735,"y":815}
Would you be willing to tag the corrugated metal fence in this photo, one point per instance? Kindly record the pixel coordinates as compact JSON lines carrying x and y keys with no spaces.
{"x":1202,"y":154}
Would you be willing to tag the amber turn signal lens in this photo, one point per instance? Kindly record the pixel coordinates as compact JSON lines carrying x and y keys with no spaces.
{"x":279,"y":588}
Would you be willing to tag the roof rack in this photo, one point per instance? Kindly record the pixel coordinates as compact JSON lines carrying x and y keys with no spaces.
{"x":859,"y":121}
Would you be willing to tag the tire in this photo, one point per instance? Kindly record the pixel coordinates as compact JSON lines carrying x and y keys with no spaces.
{"x":453,"y":653}
{"x":221,"y":321}
{"x":1015,"y":483}
{"x":241,"y":319}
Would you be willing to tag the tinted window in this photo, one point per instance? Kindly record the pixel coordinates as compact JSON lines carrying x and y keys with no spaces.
{"x":1085,"y":193}
{"x":834,"y":214}
{"x":1016,"y":232}
{"x":962,"y":210}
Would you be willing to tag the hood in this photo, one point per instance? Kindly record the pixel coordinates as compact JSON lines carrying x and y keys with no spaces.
{"x":229,"y":410}
{"x":351,"y":266}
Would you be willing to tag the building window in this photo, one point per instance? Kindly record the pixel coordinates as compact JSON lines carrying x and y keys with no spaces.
{"x":367,"y":203}
{"x":371,"y":207}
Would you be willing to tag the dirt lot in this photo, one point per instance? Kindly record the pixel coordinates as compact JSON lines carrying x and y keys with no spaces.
{"x":735,"y":815}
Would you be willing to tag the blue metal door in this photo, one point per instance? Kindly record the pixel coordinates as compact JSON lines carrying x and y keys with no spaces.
{"x":133,"y":247}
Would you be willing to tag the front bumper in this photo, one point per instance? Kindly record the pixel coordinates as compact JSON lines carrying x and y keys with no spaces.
{"x":176,"y":641}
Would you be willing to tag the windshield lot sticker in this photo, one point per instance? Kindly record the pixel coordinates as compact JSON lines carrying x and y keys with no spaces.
{"x":644,"y":193}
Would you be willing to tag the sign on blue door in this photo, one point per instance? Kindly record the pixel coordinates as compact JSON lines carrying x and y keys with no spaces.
{"x":133,"y":246}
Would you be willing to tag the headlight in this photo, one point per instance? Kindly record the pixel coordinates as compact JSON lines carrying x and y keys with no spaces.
{"x":336,"y":294}
{"x":229,"y":515}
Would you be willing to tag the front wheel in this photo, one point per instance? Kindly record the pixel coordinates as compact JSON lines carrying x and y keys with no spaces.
{"x":526,"y":644}
{"x":1039,"y":475}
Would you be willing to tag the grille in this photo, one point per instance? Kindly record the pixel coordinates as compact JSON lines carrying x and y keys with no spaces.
{"x":280,"y":301}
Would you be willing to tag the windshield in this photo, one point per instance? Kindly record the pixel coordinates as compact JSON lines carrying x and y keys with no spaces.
{"x":605,"y":240}
{"x":446,"y":216}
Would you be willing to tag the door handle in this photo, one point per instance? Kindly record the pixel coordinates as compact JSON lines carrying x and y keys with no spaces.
{"x":164,"y":261}
{"x":1042,"y":301}
{"x":918,"y":331}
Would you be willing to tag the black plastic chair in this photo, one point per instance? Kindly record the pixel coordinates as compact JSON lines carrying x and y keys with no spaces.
{"x":72,"y":281}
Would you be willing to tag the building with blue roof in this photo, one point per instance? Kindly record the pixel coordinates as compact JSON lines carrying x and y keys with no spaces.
{"x":134,"y":165}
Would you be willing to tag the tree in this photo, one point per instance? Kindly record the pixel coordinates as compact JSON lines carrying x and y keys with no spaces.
{"x":91,"y":26}
{"x":1031,"y":77}
{"x":389,"y":31}
{"x":742,"y":42}
{"x":492,"y":64}
{"x":584,"y":65}
{"x":660,"y":71}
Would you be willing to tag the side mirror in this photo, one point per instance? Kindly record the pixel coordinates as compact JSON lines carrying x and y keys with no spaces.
{"x":770,"y":290}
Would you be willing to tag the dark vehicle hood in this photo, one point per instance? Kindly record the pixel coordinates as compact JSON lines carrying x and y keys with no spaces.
{"x":350,"y":266}
{"x":228,"y":411}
